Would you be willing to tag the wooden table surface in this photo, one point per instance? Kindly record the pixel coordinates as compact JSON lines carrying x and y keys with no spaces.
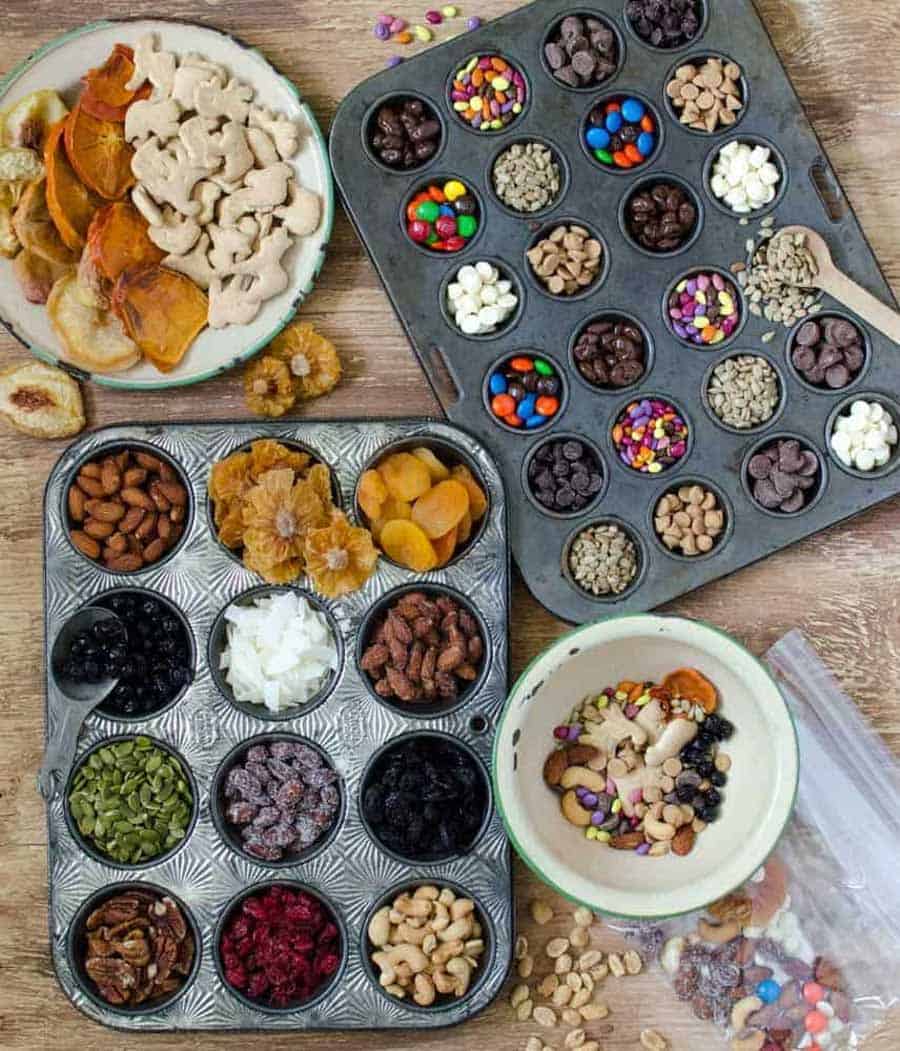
{"x":839,"y":587}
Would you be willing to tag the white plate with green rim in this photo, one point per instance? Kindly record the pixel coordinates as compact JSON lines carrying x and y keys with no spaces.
{"x":60,"y":65}
{"x":757,"y":801}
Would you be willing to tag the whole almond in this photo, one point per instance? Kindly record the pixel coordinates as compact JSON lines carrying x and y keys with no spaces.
{"x":173,"y":492}
{"x":555,"y":766}
{"x":167,"y":473}
{"x":137,"y":498}
{"x":159,"y":498}
{"x":154,"y":550}
{"x":99,"y":530}
{"x":108,"y":510}
{"x":126,"y":563}
{"x":151,"y":463}
{"x":122,"y":459}
{"x":110,"y":477}
{"x":85,"y":544}
{"x":76,"y":503}
{"x":134,"y":476}
{"x":90,"y":470}
{"x":164,"y":526}
{"x":133,"y":518}
{"x":89,"y":485}
{"x":148,"y":527}
{"x":683,"y":841}
{"x":177,"y":515}
{"x":117,"y":544}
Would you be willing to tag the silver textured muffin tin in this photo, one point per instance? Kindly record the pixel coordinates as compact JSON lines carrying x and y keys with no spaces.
{"x":351,"y":872}
{"x":457,"y":366}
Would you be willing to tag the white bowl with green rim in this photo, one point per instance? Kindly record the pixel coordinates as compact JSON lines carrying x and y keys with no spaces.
{"x":59,"y":65}
{"x":757,"y":801}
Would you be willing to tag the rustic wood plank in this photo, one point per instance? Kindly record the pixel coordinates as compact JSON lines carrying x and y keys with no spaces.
{"x":838,"y":587}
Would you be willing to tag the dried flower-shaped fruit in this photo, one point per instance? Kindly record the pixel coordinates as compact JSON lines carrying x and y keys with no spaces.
{"x":340,"y":558}
{"x":266,"y":454}
{"x":406,"y":476}
{"x":268,"y":387}
{"x":319,"y":478}
{"x":406,"y":543}
{"x":278,"y":513}
{"x":229,"y":480}
{"x":313,"y":362}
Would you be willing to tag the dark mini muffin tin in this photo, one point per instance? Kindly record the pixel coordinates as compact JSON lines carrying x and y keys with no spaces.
{"x":635,"y":283}
{"x":346,"y":867}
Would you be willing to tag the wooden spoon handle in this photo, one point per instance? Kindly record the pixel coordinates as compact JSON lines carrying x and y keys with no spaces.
{"x":861,"y":302}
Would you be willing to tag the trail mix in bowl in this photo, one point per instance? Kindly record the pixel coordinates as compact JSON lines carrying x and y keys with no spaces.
{"x":639,"y":767}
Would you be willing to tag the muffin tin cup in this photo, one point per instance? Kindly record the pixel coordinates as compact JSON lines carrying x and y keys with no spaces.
{"x":368,"y":123}
{"x":648,"y":183}
{"x":552,"y":29}
{"x":633,"y":536}
{"x":672,"y":469}
{"x":88,"y":847}
{"x":759,"y":427}
{"x":218,"y":639}
{"x":421,"y":184}
{"x":192,"y":652}
{"x":110,"y":449}
{"x":697,"y":59}
{"x":751,"y":139}
{"x":890,"y":405}
{"x":230,"y":834}
{"x":292,"y":443}
{"x":565,"y":176}
{"x":764,"y":442}
{"x":443,"y":1003}
{"x":452,"y":454}
{"x":705,"y":348}
{"x":701,"y":31}
{"x":551,"y":420}
{"x":327,"y":986}
{"x":75,"y":948}
{"x":602,"y":96}
{"x":725,"y":505}
{"x":463,"y":747}
{"x":345,"y":866}
{"x":649,"y":351}
{"x":820,"y":316}
{"x":589,"y":290}
{"x":433,"y":709}
{"x":596,"y":499}
{"x":517,"y":65}
{"x":506,"y":273}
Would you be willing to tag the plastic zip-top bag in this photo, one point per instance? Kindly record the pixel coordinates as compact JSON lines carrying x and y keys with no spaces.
{"x":806,"y":955}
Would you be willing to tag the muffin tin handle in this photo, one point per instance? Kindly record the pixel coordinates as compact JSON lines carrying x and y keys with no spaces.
{"x":61,"y":747}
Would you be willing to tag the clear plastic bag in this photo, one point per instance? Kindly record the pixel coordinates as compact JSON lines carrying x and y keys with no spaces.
{"x":824,"y":966}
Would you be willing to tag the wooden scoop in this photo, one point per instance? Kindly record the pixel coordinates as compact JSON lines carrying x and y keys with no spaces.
{"x":841,"y":288}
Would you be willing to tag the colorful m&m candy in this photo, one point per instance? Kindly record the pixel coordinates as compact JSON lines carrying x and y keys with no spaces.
{"x":525,"y":392}
{"x":443,"y":218}
{"x":621,"y":133}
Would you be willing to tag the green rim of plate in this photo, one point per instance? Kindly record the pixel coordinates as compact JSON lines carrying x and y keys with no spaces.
{"x":498,"y":797}
{"x":49,"y":357}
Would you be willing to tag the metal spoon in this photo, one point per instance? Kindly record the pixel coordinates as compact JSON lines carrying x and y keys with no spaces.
{"x":73,"y":701}
{"x":840,"y":287}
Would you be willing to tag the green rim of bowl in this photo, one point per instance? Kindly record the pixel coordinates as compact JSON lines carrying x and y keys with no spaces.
{"x":48,"y":356}
{"x":498,"y":737}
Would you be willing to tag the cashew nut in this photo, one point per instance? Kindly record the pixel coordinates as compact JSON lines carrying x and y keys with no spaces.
{"x":425,"y":992}
{"x":581,"y":775}
{"x":462,"y":907}
{"x":462,"y":972}
{"x":718,"y":933}
{"x":459,"y":930}
{"x":446,"y":897}
{"x":446,"y":951}
{"x":429,"y":944}
{"x":743,"y":1010}
{"x":443,"y":982}
{"x":428,"y":892}
{"x":678,"y":734}
{"x":408,"y":906}
{"x":671,"y":954}
{"x":573,"y":811}
{"x":380,"y":927}
{"x":409,"y":954}
{"x":659,"y":830}
{"x":395,"y":990}
{"x":754,"y":1042}
{"x":410,"y":935}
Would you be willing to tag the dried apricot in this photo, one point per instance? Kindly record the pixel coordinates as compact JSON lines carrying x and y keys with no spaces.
{"x":405,"y":476}
{"x":405,"y":543}
{"x":70,"y":202}
{"x":117,"y":239}
{"x":690,"y":685}
{"x":444,"y":546}
{"x":464,"y":528}
{"x":105,"y":96}
{"x":441,"y":508}
{"x":371,"y":493}
{"x":436,"y":469}
{"x":477,"y":497}
{"x":99,"y":154}
{"x":163,"y":312}
{"x":390,"y":510}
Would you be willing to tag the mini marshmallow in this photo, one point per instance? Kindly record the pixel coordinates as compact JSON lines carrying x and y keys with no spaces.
{"x":864,"y":436}
{"x":744,"y":177}
{"x":479,"y":300}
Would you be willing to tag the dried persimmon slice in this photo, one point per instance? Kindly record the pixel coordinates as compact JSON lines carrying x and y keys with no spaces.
{"x":163,"y":312}
{"x":71,"y":203}
{"x":105,"y":96}
{"x":99,"y":154}
{"x":117,"y":240}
